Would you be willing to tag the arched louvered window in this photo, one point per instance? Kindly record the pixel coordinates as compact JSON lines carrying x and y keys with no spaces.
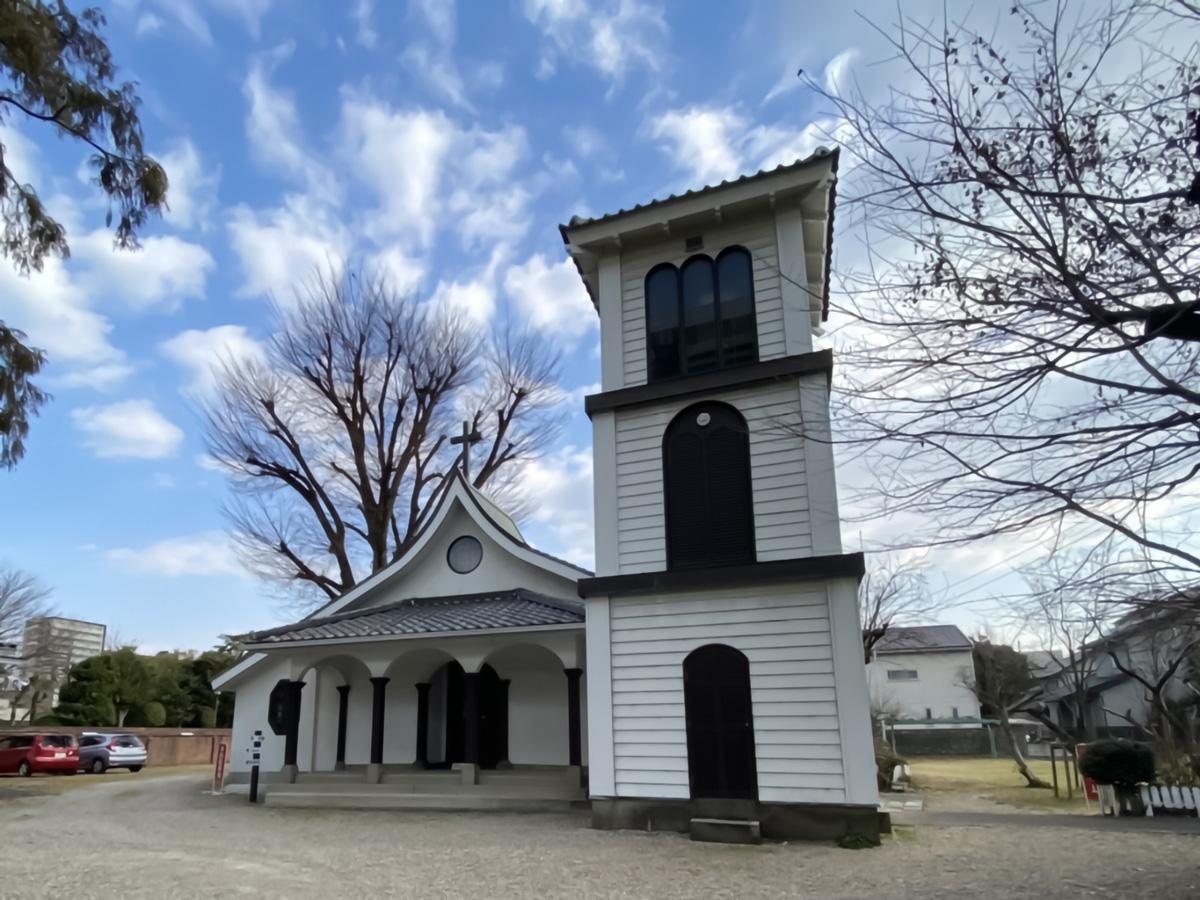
{"x":700,"y":317}
{"x":707,"y":488}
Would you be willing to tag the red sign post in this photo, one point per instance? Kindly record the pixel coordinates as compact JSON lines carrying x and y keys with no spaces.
{"x":219,"y":772}
{"x":1089,"y":787}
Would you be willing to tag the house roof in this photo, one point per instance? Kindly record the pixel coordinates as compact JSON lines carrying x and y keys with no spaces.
{"x":716,"y":194}
{"x":919,"y":638}
{"x":518,"y":608}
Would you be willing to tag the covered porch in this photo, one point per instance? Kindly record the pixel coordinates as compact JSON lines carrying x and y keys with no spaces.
{"x":375,"y":709}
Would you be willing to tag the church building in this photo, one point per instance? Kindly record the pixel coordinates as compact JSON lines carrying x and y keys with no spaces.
{"x":711,"y":668}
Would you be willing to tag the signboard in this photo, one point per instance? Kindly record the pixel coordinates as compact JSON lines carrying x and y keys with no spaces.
{"x":254,"y":752}
{"x":1089,"y":787}
{"x":219,"y":771}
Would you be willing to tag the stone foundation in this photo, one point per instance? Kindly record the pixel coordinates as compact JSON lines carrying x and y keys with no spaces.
{"x":778,"y":821}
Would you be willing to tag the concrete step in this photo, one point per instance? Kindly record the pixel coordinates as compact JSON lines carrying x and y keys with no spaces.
{"x":394,"y":800}
{"x":554,"y":791}
{"x":726,"y":831}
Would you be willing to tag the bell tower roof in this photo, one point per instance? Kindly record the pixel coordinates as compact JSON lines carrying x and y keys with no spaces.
{"x":808,"y":183}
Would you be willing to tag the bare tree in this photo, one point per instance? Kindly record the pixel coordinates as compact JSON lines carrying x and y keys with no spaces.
{"x":1024,"y":338}
{"x":22,"y":597}
{"x":1001,"y":683}
{"x":338,"y":443}
{"x":895,"y":589}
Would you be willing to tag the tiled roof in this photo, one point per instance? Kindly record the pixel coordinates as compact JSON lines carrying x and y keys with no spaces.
{"x":577,"y":221}
{"x":431,"y":615}
{"x":923,"y":637}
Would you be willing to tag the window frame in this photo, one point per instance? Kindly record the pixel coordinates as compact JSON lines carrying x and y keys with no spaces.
{"x":895,"y":675}
{"x":714,"y":263}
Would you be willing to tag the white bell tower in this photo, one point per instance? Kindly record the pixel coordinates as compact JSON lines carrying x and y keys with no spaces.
{"x":725,"y":666}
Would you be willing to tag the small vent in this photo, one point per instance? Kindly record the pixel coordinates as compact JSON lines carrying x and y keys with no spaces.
{"x":693,"y":243}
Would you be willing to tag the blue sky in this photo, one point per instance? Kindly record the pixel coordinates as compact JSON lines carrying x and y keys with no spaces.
{"x":443,"y":144}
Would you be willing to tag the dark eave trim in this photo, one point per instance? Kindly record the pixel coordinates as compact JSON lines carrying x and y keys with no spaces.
{"x":725,"y":379}
{"x":841,"y":565}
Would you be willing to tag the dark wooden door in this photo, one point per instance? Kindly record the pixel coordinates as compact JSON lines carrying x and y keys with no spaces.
{"x":720,"y":724}
{"x":493,"y":718}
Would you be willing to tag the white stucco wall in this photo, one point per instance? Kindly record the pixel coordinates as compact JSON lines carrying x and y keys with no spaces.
{"x":940,"y":685}
{"x":429,"y":575}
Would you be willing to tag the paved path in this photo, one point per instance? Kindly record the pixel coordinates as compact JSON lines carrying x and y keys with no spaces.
{"x":165,"y":838}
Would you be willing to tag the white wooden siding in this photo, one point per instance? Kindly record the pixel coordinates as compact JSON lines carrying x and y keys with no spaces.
{"x":785,"y":634}
{"x":782,"y":520}
{"x":757,"y":237}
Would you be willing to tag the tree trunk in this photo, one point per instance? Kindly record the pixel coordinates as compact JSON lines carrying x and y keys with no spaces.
{"x":121,"y":714}
{"x":1023,"y":767}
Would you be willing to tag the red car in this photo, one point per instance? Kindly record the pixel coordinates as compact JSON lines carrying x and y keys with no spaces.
{"x":25,"y":754}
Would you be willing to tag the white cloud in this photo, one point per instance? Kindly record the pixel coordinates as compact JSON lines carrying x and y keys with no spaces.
{"x":402,"y":272}
{"x":131,"y":428}
{"x":204,"y":352}
{"x":703,"y":140}
{"x":715,"y":143}
{"x":251,"y":12}
{"x":164,"y":271}
{"x":104,"y":377}
{"x":192,"y":195}
{"x":432,"y":60}
{"x":278,"y":247}
{"x":561,"y":484}
{"x":551,"y":298}
{"x":474,"y":299}
{"x":273,"y":128}
{"x":400,"y":155}
{"x":406,"y":157}
{"x":363,"y":12}
{"x":207,"y":553}
{"x":55,"y":313}
{"x":147,"y":23}
{"x":613,"y":37}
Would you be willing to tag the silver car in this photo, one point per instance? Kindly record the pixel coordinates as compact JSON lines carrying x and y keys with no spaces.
{"x":100,"y":751}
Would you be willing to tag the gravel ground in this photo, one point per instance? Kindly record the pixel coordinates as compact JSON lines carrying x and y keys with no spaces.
{"x":165,"y":838}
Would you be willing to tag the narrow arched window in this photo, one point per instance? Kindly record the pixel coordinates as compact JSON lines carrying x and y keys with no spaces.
{"x":701,"y":350}
{"x":735,"y":287}
{"x":662,"y":323}
{"x":707,"y":488}
{"x":700,"y":318}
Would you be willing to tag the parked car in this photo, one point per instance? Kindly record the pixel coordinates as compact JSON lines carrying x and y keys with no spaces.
{"x":25,"y":754}
{"x":100,"y":751}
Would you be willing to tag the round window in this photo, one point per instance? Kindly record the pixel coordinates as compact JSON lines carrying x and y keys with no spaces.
{"x":464,"y":554}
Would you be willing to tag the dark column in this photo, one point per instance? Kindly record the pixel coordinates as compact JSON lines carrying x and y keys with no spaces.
{"x":291,"y":739}
{"x":343,"y":706}
{"x":574,"y":742}
{"x":423,"y":723}
{"x":378,"y":696}
{"x":471,"y":718}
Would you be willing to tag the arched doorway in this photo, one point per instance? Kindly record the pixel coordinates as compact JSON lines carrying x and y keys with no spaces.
{"x":720,"y":724}
{"x":492,"y":714}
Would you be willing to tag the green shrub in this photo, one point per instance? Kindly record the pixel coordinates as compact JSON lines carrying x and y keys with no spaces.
{"x":154,"y":713}
{"x":1118,"y":762}
{"x":208,"y":717}
{"x":47,"y":720}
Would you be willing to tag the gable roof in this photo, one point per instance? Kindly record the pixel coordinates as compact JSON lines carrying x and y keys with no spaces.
{"x":923,"y":638}
{"x":581,"y":232}
{"x":431,"y":615}
{"x":491,"y":520}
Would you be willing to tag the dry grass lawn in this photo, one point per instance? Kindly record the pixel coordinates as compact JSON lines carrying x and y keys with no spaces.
{"x":993,"y":779}
{"x":13,"y":786}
